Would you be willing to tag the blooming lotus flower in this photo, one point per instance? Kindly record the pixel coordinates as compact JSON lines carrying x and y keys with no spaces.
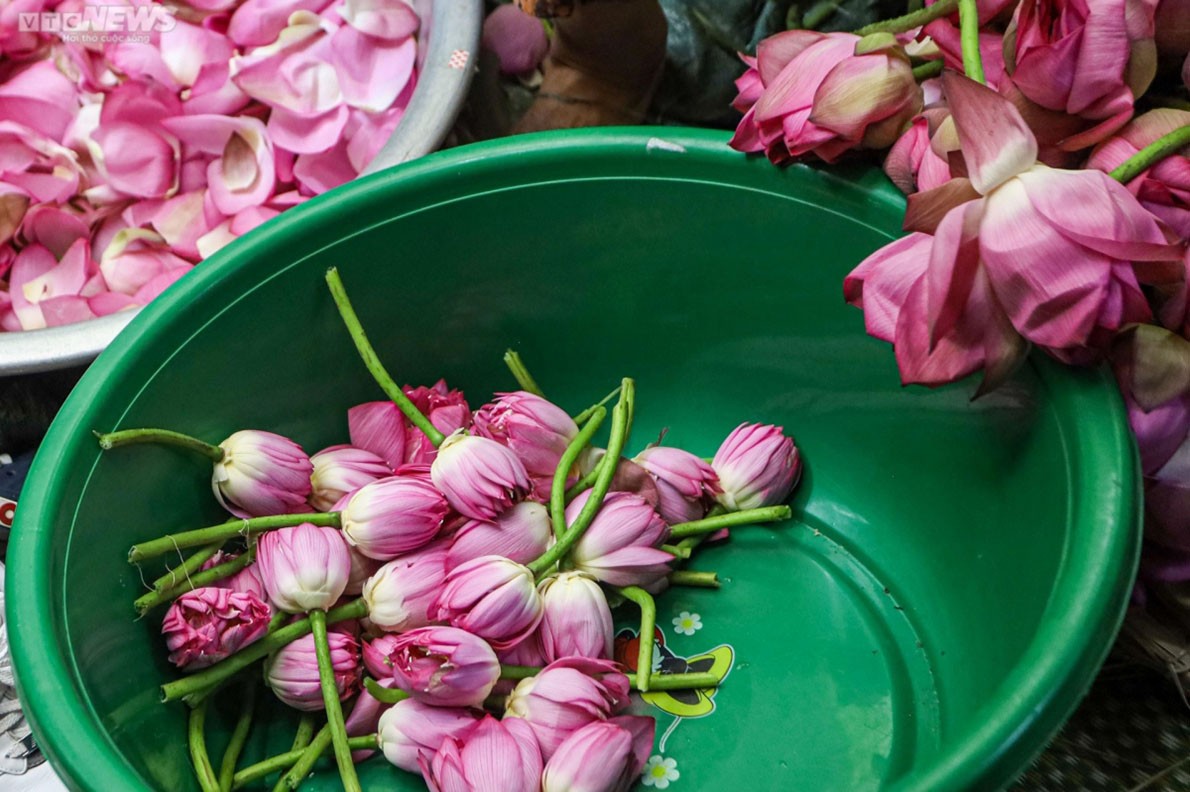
{"x":377,"y":654}
{"x":208,"y":624}
{"x":380,"y":427}
{"x":411,"y":730}
{"x":444,"y":666}
{"x":492,"y":597}
{"x":304,"y":568}
{"x":1088,"y":58}
{"x":686,"y":484}
{"x":567,"y":695}
{"x":824,"y":93}
{"x":261,"y":473}
{"x":341,"y":470}
{"x":402,"y":591}
{"x":1044,"y":255}
{"x":576,"y":621}
{"x":393,"y":516}
{"x":496,"y":756}
{"x":536,"y":430}
{"x":758,"y":465}
{"x":292,"y":672}
{"x":521,"y":534}
{"x":517,"y":39}
{"x":621,"y":545}
{"x":1163,"y":189}
{"x":479,"y":477}
{"x":604,"y":756}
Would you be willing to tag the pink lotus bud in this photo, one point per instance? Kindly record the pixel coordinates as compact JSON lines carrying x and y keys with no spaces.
{"x":341,"y":470}
{"x":537,"y":430}
{"x":517,"y":39}
{"x":567,"y":695}
{"x":246,"y":580}
{"x":444,"y":666}
{"x":208,"y":624}
{"x":604,"y":756}
{"x":522,"y":534}
{"x":497,"y":756}
{"x":362,"y":568}
{"x":403,"y":590}
{"x":304,"y":568}
{"x":378,"y":656}
{"x":629,"y":476}
{"x":479,"y":477}
{"x":577,"y":620}
{"x":393,"y":516}
{"x":621,"y":545}
{"x":757,"y":466}
{"x":492,"y":597}
{"x":261,"y":473}
{"x":292,"y":672}
{"x":686,"y":484}
{"x":411,"y":730}
{"x":825,"y":93}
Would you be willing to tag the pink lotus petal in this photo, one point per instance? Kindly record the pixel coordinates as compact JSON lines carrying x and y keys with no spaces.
{"x":774,"y":53}
{"x":359,"y":59}
{"x":385,"y":19}
{"x":13,"y":204}
{"x":42,"y":97}
{"x":214,"y":240}
{"x":214,"y":92}
{"x":140,"y":61}
{"x":996,"y":142}
{"x":137,"y":162}
{"x":159,"y":283}
{"x":367,"y":133}
{"x":250,"y":218}
{"x":31,"y":263}
{"x":187,"y":48}
{"x":181,"y":221}
{"x":145,"y":104}
{"x":954,"y":263}
{"x":307,"y":134}
{"x":66,"y":310}
{"x":109,"y":303}
{"x":880,"y":284}
{"x":65,"y":279}
{"x":244,"y":175}
{"x":793,"y":88}
{"x":295,"y":73}
{"x":259,"y":22}
{"x":845,"y":100}
{"x":55,"y":228}
{"x":325,"y":171}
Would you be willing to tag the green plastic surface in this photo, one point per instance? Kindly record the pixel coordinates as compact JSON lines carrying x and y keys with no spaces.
{"x":951,"y":584}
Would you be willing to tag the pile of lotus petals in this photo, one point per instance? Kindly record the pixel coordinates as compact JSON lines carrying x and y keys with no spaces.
{"x":137,"y":138}
{"x":441,"y":587}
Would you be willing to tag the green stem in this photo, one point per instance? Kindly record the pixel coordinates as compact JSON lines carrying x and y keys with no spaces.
{"x":277,"y":621}
{"x":239,"y":736}
{"x":382,"y":694}
{"x":147,"y":602}
{"x":648,"y":621}
{"x":110,"y":440}
{"x":257,"y":771}
{"x":192,"y":687}
{"x":687,"y":577}
{"x":585,"y":414}
{"x":304,"y":733}
{"x":188,"y":566}
{"x":912,"y":20}
{"x":969,"y":36}
{"x":677,"y":551}
{"x":929,"y":69}
{"x":1151,"y":154}
{"x":745,"y":517}
{"x":621,"y":422}
{"x":558,"y":489}
{"x":224,"y":531}
{"x":680,"y":682}
{"x":521,"y":374}
{"x":198,"y":749}
{"x":518,"y":671}
{"x":301,"y":740}
{"x":317,"y":747}
{"x":372,"y":361}
{"x":330,"y":699}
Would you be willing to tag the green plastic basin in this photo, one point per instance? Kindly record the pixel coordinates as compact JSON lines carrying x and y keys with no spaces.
{"x":954,"y":577}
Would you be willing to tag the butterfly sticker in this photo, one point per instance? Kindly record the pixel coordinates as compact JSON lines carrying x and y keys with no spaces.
{"x":694,"y":703}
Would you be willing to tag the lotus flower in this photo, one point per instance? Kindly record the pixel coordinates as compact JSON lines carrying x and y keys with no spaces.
{"x":304,"y":568}
{"x":292,"y":672}
{"x":757,"y":465}
{"x":1032,"y":254}
{"x":444,"y":666}
{"x":686,"y":484}
{"x":401,"y":593}
{"x":604,"y":756}
{"x":261,"y":473}
{"x":824,"y":93}
{"x":411,"y":730}
{"x":341,"y":470}
{"x":621,"y":545}
{"x":496,"y":756}
{"x":576,"y":621}
{"x":393,"y":516}
{"x":480,"y":477}
{"x":380,"y":427}
{"x":535,"y":429}
{"x":492,"y":597}
{"x":520,"y":534}
{"x":209,"y":624}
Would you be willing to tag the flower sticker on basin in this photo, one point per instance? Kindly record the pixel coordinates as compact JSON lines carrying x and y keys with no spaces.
{"x":687,"y":623}
{"x":659,"y":772}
